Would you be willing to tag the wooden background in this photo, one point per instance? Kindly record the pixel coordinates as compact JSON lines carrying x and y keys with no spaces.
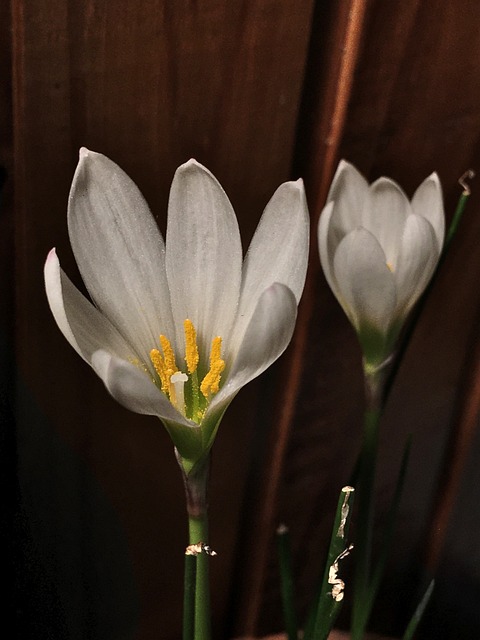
{"x":259,"y":91}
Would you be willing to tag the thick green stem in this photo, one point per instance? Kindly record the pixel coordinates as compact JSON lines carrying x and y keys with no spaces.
{"x":198,"y":533}
{"x":189,"y":596}
{"x":286,"y":582}
{"x":196,"y":482}
{"x":365,"y":493}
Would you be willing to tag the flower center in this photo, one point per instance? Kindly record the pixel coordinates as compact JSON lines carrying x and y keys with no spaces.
{"x":187,"y":395}
{"x":390,"y":267}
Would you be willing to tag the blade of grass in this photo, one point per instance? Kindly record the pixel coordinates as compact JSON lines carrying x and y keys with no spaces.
{"x":327,"y":605}
{"x":417,"y":616}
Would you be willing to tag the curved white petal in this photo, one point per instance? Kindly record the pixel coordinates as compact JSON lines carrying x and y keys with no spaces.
{"x":427,"y":201}
{"x":119,"y":251}
{"x":384,"y":215}
{"x":365,"y":284}
{"x":349,"y":190}
{"x":266,"y":338}
{"x":85,"y":328}
{"x":204,"y":255}
{"x":348,"y":184}
{"x":418,"y":258}
{"x":278,"y":251}
{"x":326,"y":257}
{"x":133,"y":389}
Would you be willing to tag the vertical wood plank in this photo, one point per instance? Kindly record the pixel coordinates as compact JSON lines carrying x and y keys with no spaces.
{"x":328,"y":101}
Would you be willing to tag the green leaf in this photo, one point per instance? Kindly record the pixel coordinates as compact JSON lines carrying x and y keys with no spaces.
{"x":417,"y":616}
{"x":328,"y":603}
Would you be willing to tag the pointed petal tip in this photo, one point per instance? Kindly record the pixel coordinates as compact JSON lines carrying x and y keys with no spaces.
{"x":294,"y":185}
{"x":85,"y":154}
{"x":344,"y":164}
{"x":52,"y":254}
{"x":345,"y":168}
{"x":299,"y":184}
{"x":191,"y":164}
{"x":433,"y":177}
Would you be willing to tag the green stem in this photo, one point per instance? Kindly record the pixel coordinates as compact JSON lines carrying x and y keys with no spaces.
{"x":286,"y":582}
{"x":196,"y":482}
{"x":189,"y":597}
{"x":365,"y":492}
{"x":198,"y":532}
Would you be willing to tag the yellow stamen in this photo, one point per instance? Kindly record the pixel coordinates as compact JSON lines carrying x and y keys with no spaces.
{"x":168,"y":355}
{"x":390,"y":266}
{"x":191,"y":348}
{"x":159,"y":365}
{"x":210,"y":383}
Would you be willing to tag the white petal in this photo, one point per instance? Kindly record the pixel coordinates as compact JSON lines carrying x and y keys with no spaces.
{"x":427,"y":201}
{"x":85,"y":328}
{"x":278,"y":251}
{"x":326,"y":257}
{"x":349,"y":190}
{"x":418,"y":258}
{"x":132,"y":388}
{"x":384,"y":214}
{"x":365,"y":283}
{"x":119,"y":251}
{"x":204,"y":254}
{"x":266,"y":338}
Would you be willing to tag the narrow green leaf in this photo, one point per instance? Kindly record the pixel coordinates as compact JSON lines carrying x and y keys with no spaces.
{"x":457,"y":216}
{"x":417,"y":616}
{"x":328,"y":603}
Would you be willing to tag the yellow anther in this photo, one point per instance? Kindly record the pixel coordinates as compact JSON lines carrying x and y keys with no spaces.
{"x":390,"y":266}
{"x":210,"y":383}
{"x":168,"y":355}
{"x":159,"y":365}
{"x":191,"y":348}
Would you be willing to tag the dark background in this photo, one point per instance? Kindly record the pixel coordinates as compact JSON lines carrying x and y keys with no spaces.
{"x":259,"y":91}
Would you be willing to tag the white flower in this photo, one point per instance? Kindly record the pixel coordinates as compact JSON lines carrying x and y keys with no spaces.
{"x":176,"y":329}
{"x":378,"y":251}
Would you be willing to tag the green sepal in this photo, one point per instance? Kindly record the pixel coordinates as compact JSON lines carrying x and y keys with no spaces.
{"x":376,"y":345}
{"x":187,"y":441}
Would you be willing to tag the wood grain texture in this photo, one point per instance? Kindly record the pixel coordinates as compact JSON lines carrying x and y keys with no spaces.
{"x":150,"y":84}
{"x":251,"y":88}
